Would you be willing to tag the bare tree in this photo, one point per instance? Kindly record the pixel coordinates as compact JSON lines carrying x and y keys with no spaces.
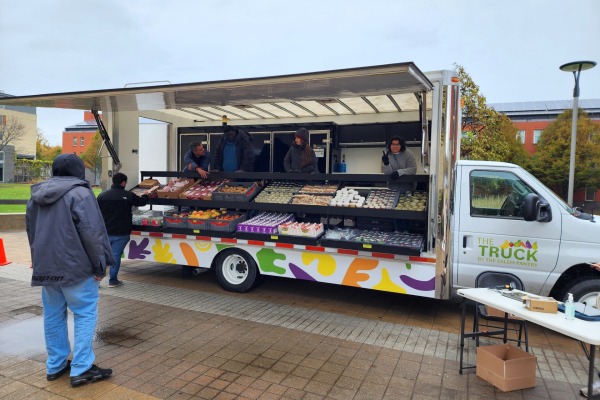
{"x":11,"y":129}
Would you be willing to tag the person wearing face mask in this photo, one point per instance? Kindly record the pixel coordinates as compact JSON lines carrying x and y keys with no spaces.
{"x":300,"y":157}
{"x":235,"y":152}
{"x":399,"y":161}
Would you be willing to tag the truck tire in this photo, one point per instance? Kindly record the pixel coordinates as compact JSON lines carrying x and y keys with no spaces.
{"x":236,"y":270}
{"x":584,"y":291}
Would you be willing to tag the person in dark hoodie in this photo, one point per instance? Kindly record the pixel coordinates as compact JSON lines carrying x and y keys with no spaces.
{"x":301,"y":157}
{"x":115,"y":206}
{"x":235,"y":152}
{"x":70,"y":252}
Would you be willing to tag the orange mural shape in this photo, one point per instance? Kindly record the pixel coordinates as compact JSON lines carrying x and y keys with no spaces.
{"x":354,"y":276}
{"x":189,"y":254}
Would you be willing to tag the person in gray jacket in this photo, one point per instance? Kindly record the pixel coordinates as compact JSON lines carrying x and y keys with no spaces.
{"x":70,"y":253}
{"x":301,"y":157}
{"x":397,"y":162}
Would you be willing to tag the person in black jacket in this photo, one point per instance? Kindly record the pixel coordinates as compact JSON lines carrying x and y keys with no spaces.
{"x":235,"y":152}
{"x":115,"y":205}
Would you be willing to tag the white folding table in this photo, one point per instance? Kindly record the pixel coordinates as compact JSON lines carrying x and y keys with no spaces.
{"x":585,"y":331}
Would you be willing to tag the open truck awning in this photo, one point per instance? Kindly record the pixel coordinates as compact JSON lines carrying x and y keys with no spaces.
{"x":355,"y":91}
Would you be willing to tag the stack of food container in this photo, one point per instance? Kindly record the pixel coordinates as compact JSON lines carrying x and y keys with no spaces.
{"x":265,"y":223}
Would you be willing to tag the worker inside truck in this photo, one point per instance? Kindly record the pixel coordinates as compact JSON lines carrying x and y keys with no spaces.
{"x":197,"y":159}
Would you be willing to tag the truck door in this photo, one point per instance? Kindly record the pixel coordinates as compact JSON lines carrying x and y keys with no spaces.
{"x":491,"y":233}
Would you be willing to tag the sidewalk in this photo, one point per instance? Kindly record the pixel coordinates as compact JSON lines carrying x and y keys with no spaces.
{"x":166,"y":337}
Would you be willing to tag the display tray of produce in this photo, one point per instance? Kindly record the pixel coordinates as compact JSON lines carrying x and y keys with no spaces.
{"x":147,"y":221}
{"x":311,"y":199}
{"x":412,"y":201}
{"x":274,"y":197}
{"x":381,"y":242}
{"x":235,"y":191}
{"x":275,"y":237}
{"x":319,"y":189}
{"x":200,"y":190}
{"x":382,"y":199}
{"x":265,"y":223}
{"x":348,"y":197}
{"x":277,"y":186}
{"x":173,"y":189}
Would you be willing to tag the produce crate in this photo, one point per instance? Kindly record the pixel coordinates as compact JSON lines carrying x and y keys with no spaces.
{"x":201,"y":190}
{"x":141,"y":191}
{"x":174,"y":221}
{"x":225,"y":225}
{"x":149,"y":220}
{"x":251,"y":190}
{"x":196,"y":223}
{"x":148,"y":183}
{"x":163,"y":194}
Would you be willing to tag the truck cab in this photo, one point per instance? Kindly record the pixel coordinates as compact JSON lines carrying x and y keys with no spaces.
{"x":506,"y":220}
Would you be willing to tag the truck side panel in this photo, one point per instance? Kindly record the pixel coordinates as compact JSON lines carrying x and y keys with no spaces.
{"x":386,"y":272}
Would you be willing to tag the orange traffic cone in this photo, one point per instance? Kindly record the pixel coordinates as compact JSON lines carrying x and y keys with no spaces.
{"x":3,"y":260}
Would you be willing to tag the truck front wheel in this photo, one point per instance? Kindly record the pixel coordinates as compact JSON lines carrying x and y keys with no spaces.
{"x":236,"y":270}
{"x":585,"y":291}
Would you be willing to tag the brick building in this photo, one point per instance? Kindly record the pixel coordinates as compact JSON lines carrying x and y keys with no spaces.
{"x":532,"y":117}
{"x":77,"y":138}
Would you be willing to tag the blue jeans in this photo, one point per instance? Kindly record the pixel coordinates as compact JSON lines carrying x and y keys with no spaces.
{"x":117,"y":244}
{"x":82,"y":299}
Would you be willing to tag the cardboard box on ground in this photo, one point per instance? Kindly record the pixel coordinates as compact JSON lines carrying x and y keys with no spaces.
{"x":506,"y":367}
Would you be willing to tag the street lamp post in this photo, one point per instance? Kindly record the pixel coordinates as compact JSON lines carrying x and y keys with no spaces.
{"x":575,"y":67}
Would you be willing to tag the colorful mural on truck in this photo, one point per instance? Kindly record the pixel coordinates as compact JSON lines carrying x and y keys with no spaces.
{"x":383,"y":272}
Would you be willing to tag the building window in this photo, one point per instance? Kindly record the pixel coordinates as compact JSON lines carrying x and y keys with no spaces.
{"x":1,"y":166}
{"x":74,"y":141}
{"x":590,"y":194}
{"x":537,"y":133}
{"x":521,"y":137}
{"x":81,"y":141}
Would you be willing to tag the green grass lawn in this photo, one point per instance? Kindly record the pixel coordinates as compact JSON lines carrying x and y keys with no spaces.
{"x":18,"y":191}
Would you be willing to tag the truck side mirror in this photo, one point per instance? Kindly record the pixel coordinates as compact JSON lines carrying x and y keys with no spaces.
{"x":535,"y":209}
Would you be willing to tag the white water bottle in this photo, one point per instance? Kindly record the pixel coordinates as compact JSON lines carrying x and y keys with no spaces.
{"x":570,"y":307}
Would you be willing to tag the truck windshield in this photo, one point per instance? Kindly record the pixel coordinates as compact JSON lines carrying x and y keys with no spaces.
{"x":556,"y":197}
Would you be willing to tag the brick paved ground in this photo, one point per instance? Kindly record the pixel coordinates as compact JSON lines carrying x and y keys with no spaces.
{"x":166,"y":337}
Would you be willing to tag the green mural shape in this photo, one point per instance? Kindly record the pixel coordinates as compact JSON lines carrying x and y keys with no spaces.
{"x":266,"y":261}
{"x":222,"y":246}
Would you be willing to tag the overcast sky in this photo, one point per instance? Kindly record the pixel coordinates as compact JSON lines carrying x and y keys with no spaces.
{"x":512,"y":48}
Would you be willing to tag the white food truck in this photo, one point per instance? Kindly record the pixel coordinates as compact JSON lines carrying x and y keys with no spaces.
{"x":479,"y":216}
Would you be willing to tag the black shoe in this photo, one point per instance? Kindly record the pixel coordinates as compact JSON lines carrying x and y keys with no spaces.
{"x":91,"y":375}
{"x":115,"y":284}
{"x":55,"y":376}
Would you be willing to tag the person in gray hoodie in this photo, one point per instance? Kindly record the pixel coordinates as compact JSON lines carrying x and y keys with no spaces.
{"x":397,"y":162}
{"x":70,"y":253}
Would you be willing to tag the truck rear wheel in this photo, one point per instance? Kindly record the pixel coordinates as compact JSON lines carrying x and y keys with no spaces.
{"x":585,"y":291}
{"x":236,"y":270}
